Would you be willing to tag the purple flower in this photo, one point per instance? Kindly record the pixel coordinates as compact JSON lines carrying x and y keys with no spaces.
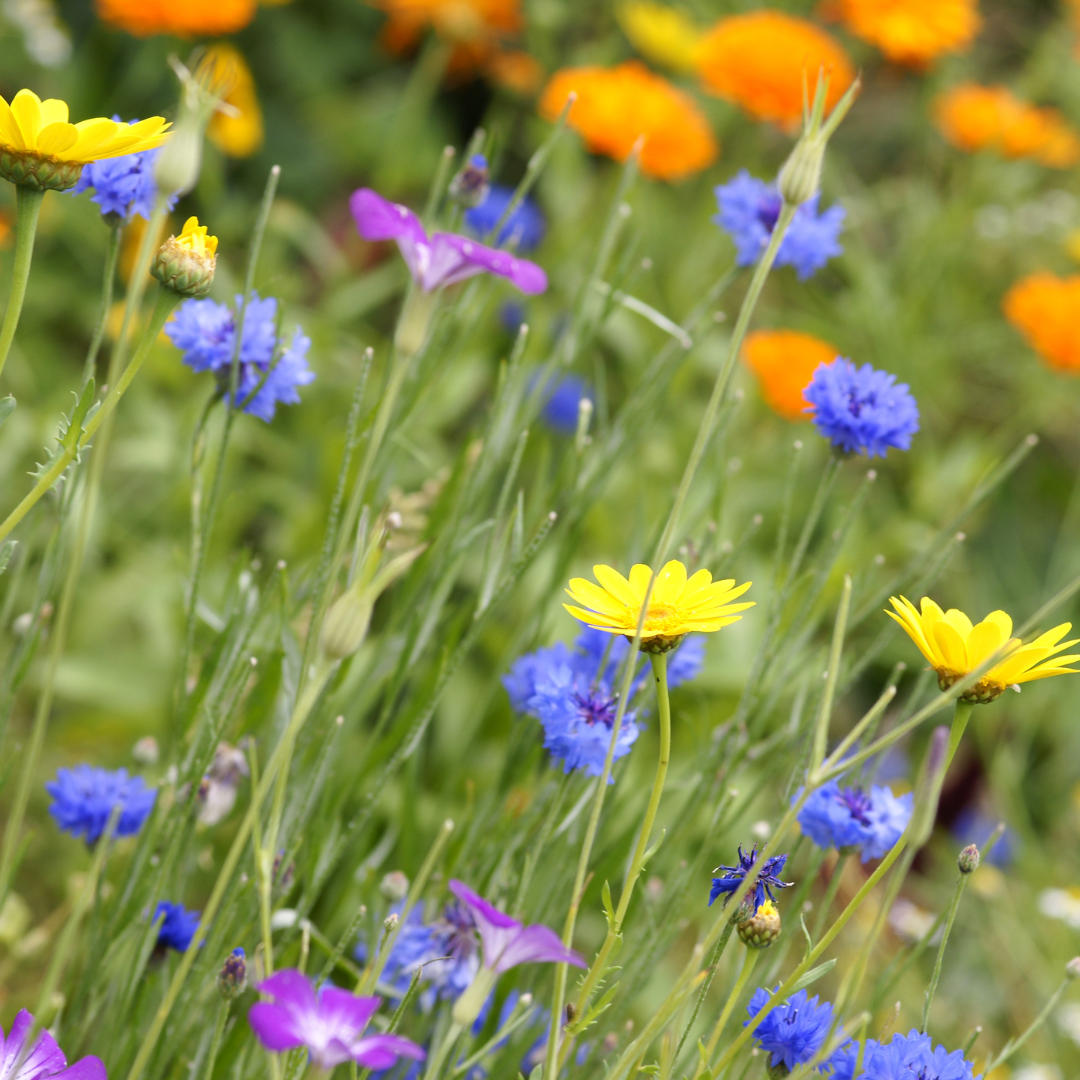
{"x":177,"y":927}
{"x":794,"y":1031}
{"x":861,"y":410}
{"x":506,"y":942}
{"x":45,"y":1058}
{"x":84,"y":797}
{"x":749,"y":210}
{"x":205,"y":331}
{"x":330,"y":1024}
{"x":871,"y":821}
{"x":766,"y":881}
{"x":440,"y":259}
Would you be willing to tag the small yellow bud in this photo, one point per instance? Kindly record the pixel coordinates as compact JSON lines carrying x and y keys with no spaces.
{"x":763,"y":929}
{"x":186,"y":263}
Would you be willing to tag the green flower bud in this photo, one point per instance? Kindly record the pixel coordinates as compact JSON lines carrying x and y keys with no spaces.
{"x":968,"y":860}
{"x":762,"y":929}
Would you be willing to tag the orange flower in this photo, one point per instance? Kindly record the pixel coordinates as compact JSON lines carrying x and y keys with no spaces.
{"x":763,"y":61}
{"x":976,"y":117}
{"x":238,"y":132}
{"x":784,"y":362}
{"x":1046,"y":310}
{"x":184,"y":18}
{"x":616,"y":106}
{"x":913,"y":32}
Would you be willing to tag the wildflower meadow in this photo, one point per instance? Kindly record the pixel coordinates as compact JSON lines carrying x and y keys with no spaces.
{"x":539,"y":539}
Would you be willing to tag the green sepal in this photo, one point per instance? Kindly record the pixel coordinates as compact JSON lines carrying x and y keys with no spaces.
{"x":812,"y":976}
{"x":7,"y":407}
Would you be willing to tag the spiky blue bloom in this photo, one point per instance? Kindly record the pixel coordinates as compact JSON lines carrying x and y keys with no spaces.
{"x":123,"y":185}
{"x":178,"y":926}
{"x":749,"y":210}
{"x":572,"y":692}
{"x":767,"y":880}
{"x":904,"y":1057}
{"x":861,"y":410}
{"x":870,"y":821}
{"x":794,"y":1031}
{"x":84,"y":797}
{"x":525,"y":226}
{"x":205,"y":331}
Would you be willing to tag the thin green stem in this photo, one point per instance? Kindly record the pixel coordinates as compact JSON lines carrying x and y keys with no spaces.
{"x":714,"y":960}
{"x":830,"y":893}
{"x":27,"y":207}
{"x":736,"y":992}
{"x":961,"y":881}
{"x":438,"y":1059}
{"x":215,"y":1041}
{"x":1013,"y":1045}
{"x":112,"y":257}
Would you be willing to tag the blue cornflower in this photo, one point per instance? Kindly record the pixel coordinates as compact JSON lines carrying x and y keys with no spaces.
{"x":871,"y":821}
{"x":794,"y":1031}
{"x":562,"y":403}
{"x":525,"y":226}
{"x":904,"y":1057}
{"x":206,"y":333}
{"x":83,"y":799}
{"x":123,"y":185}
{"x":177,"y":928}
{"x":861,"y":410}
{"x":767,"y":880}
{"x":749,"y":210}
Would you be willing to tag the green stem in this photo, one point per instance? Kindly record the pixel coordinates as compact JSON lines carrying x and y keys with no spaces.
{"x":112,"y":256}
{"x":302,"y":710}
{"x":599,"y":965}
{"x":934,"y":979}
{"x":1013,"y":1045}
{"x":705,"y":986}
{"x":736,"y":992}
{"x":215,"y":1042}
{"x":438,"y":1059}
{"x":27,"y":208}
{"x":830,"y":893}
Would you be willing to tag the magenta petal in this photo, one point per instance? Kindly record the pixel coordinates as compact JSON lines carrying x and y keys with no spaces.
{"x":379,"y":219}
{"x":537,"y":945}
{"x":345,"y":1011}
{"x":381,"y":1051}
{"x":527,"y":276}
{"x":274,"y":1025}
{"x":291,"y":988}
{"x":333,"y":1052}
{"x":87,"y":1068}
{"x":480,"y":907}
{"x":45,"y":1057}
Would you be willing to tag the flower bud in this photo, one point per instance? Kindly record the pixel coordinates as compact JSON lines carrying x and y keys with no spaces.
{"x":346,"y":624}
{"x":470,"y":186}
{"x":232,"y":978}
{"x":763,"y":929}
{"x":177,"y":167}
{"x":968,"y":860}
{"x":390,"y":922}
{"x":745,"y":910}
{"x":800,"y":176}
{"x":394,"y":886}
{"x":1072,"y":968}
{"x":186,"y":263}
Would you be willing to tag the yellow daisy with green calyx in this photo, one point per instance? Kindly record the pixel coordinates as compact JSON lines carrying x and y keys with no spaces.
{"x":40,"y":149}
{"x":679,"y":605}
{"x":955,"y":648}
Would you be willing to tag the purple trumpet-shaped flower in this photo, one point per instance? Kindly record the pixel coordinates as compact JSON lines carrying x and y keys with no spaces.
{"x":45,"y":1059}
{"x":329,"y":1023}
{"x":506,"y":942}
{"x":442,"y":258}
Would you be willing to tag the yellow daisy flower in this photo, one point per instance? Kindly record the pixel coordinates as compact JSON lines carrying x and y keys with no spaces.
{"x":187,"y":263}
{"x":955,"y":648}
{"x":40,"y":149}
{"x":678,"y":605}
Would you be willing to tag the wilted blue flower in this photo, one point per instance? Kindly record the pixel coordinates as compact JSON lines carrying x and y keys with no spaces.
{"x":749,"y":210}
{"x":525,"y":226}
{"x":794,"y":1031}
{"x":205,"y":331}
{"x":177,"y":928}
{"x":861,"y":410}
{"x":83,"y":799}
{"x":871,"y":821}
{"x":904,"y":1056}
{"x":123,"y":185}
{"x":572,"y":693}
{"x":767,"y":880}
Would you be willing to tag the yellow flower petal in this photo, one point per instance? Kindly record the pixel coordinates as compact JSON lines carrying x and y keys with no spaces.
{"x":9,"y":126}
{"x":950,"y":645}
{"x":592,"y":596}
{"x":53,"y":111}
{"x":670,"y":583}
{"x":26,"y":108}
{"x":983,"y":641}
{"x":56,"y":138}
{"x":1004,"y":621}
{"x":958,"y":621}
{"x":611,"y":580}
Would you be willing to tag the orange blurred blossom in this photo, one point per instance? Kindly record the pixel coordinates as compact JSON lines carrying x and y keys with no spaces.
{"x":911,"y":32}
{"x":1046,"y":310}
{"x":784,"y":362}
{"x":183,"y":18}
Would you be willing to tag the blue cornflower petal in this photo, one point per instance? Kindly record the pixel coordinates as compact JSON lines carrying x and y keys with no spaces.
{"x":871,"y":821}
{"x":794,"y":1031}
{"x":177,"y":928}
{"x":205,"y":331}
{"x":861,"y":410}
{"x":912,"y":1055}
{"x":83,"y":799}
{"x":749,"y":209}
{"x":525,"y":225}
{"x":562,"y":402}
{"x":684,"y":664}
{"x":767,"y":880}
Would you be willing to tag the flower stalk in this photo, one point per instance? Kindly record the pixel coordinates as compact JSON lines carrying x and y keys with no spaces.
{"x":27,"y":208}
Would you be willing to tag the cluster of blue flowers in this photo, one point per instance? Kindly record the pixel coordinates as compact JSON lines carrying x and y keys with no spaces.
{"x":572,"y":693}
{"x":794,"y":1032}
{"x":767,"y":880}
{"x":270,"y":370}
{"x":862,"y":410}
{"x":84,"y":797}
{"x":749,"y":211}
{"x":123,"y":185}
{"x":869,"y":821}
